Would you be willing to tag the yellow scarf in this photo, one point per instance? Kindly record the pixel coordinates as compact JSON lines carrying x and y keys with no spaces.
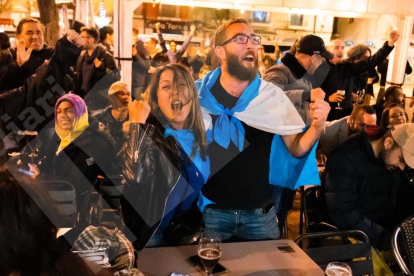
{"x":78,"y":127}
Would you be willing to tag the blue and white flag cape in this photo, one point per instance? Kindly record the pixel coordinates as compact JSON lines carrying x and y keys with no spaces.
{"x":185,"y":137}
{"x":264,"y":106}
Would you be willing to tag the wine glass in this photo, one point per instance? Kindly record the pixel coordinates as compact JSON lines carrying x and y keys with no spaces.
{"x":32,"y":142}
{"x":338,"y":269}
{"x":340,"y":92}
{"x":360,"y":93}
{"x":28,"y":136}
{"x":209,"y":250}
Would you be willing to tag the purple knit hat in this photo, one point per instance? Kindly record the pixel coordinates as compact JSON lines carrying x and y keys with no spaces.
{"x":77,"y":102}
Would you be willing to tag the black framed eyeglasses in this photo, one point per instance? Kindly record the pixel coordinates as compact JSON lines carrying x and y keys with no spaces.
{"x":242,"y":39}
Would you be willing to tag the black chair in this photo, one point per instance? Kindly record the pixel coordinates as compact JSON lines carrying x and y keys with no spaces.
{"x":63,"y":195}
{"x":106,"y":209}
{"x":314,"y":209}
{"x":357,"y":255}
{"x":403,"y":244}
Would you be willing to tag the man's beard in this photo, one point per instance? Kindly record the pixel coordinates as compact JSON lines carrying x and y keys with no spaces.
{"x":384,"y":154}
{"x":238,"y":71}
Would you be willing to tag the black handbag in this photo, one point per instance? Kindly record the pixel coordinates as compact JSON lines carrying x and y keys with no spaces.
{"x":185,"y":228}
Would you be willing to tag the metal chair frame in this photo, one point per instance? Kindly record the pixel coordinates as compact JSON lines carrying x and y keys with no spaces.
{"x":406,"y":232}
{"x":345,"y":253}
{"x":396,"y":251}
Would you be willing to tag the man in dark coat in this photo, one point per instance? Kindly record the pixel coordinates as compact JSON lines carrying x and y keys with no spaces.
{"x":156,"y":56}
{"x":383,"y":69}
{"x":293,"y":76}
{"x":114,"y":116}
{"x":140,"y":66}
{"x":30,"y":53}
{"x":94,"y":71}
{"x":106,"y":35}
{"x":362,"y":181}
{"x":341,"y":74}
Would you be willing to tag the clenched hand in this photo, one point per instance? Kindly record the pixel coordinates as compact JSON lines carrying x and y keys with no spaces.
{"x":319,"y":112}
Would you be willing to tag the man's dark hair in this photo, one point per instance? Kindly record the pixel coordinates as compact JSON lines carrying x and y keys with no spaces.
{"x":4,"y":41}
{"x":27,"y":20}
{"x":388,"y":134}
{"x":356,"y":52}
{"x":104,"y":31}
{"x":391,"y":91}
{"x":77,"y":26}
{"x":362,"y":108}
{"x":92,"y":31}
{"x":153,"y":40}
{"x":220,"y":36}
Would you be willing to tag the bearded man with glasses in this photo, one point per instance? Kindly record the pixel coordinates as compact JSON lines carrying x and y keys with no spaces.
{"x":256,"y":132}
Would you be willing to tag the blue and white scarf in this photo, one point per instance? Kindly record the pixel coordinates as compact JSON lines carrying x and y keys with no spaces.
{"x":264,"y":106}
{"x":185,"y":137}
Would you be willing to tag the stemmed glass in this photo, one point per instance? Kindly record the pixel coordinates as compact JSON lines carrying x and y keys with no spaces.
{"x":338,"y":269}
{"x":33,"y":144}
{"x":360,"y":93}
{"x":29,"y":136}
{"x":340,"y":92}
{"x":209,"y":250}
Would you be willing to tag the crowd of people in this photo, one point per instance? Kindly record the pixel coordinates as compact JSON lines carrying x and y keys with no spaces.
{"x":215,"y":147}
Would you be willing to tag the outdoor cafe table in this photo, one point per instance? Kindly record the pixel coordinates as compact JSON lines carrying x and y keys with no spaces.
{"x":259,"y":258}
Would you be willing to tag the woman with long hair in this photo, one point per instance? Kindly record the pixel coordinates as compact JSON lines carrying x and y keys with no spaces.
{"x":393,"y":114}
{"x":165,"y":161}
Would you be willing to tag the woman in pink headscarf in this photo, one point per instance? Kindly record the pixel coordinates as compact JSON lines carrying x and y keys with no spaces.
{"x":79,"y":152}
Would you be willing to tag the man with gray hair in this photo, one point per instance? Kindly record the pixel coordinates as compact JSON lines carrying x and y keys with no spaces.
{"x":30,"y":53}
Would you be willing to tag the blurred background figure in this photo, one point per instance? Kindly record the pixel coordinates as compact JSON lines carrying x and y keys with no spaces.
{"x":174,"y":55}
{"x":28,"y":234}
{"x":382,"y":70}
{"x":203,"y":71}
{"x":114,"y":116}
{"x":5,"y":54}
{"x":342,"y":73}
{"x":106,"y":36}
{"x":265,"y":61}
{"x":363,"y":88}
{"x":141,"y":66}
{"x":211,"y":58}
{"x":157,"y":57}
{"x":92,"y":67}
{"x":393,"y":94}
{"x":30,"y":53}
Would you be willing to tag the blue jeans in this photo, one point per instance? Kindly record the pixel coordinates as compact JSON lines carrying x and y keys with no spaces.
{"x":243,"y":224}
